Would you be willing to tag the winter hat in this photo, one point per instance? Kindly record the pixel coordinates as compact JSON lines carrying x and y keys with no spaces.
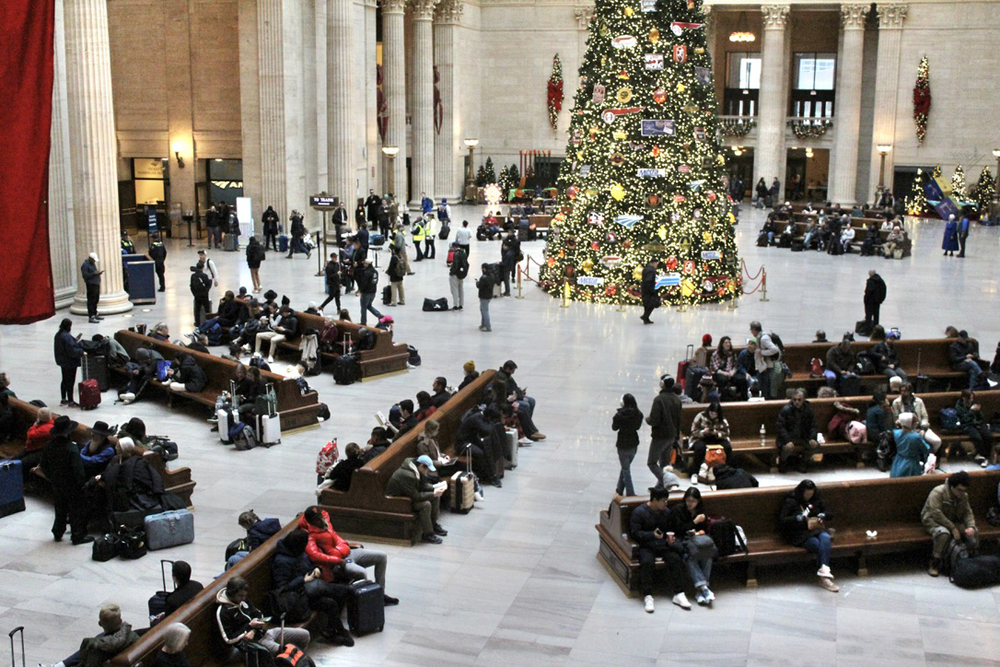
{"x":93,"y":256}
{"x":752,"y":339}
{"x":906,"y":420}
{"x":469,"y":366}
{"x":706,"y":340}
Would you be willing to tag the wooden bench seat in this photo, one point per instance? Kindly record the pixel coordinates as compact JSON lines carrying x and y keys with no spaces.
{"x":366,"y":510}
{"x":889,"y":506}
{"x":295,"y":409}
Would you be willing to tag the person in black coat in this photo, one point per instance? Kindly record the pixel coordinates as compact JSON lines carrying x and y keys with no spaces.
{"x":796,"y":432}
{"x":875,"y":291}
{"x":92,"y":279}
{"x":476,"y":433}
{"x":158,"y":253}
{"x":67,"y":351}
{"x":655,"y":530}
{"x":270,"y":220}
{"x":297,"y":243}
{"x":201,"y":285}
{"x":332,"y":276}
{"x":650,"y":299}
{"x":255,"y":255}
{"x":802,"y":523}
{"x":372,"y":206}
{"x":186,"y":375}
{"x":63,"y":467}
{"x":627,"y":421}
{"x":130,"y":481}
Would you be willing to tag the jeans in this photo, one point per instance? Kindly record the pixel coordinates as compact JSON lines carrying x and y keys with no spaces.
{"x":429,"y":251}
{"x":659,"y":456}
{"x":820,"y":545}
{"x":971,"y":368}
{"x":363,"y":558}
{"x":236,"y":558}
{"x":484,"y":311}
{"x":700,"y":571}
{"x":896,"y":372}
{"x":328,"y":599}
{"x":625,"y":456}
{"x":366,"y":306}
{"x":674,"y":566}
{"x":764,"y":382}
{"x":457,"y":291}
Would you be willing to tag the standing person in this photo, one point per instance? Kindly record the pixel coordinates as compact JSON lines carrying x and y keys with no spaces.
{"x":457,"y":273}
{"x":874,"y":296}
{"x":775,"y":191}
{"x":655,"y":531}
{"x":384,"y":220}
{"x":802,"y":522}
{"x":508,"y":261}
{"x":361,"y":251}
{"x":627,"y":421}
{"x":63,"y":467}
{"x":158,"y":253}
{"x":92,"y":279}
{"x":339,"y":222}
{"x":463,"y":237}
{"x":359,"y":212}
{"x":650,"y":299}
{"x":911,"y":449}
{"x":444,"y":212}
{"x":372,"y":205}
{"x":950,"y":241}
{"x":963,"y":234}
{"x":485,"y":284}
{"x":399,"y":243}
{"x":396,"y":271}
{"x":419,"y":231}
{"x":766,"y":359}
{"x":67,"y":352}
{"x":201,"y":284}
{"x":367,"y":279}
{"x":332,"y":276}
{"x":212,"y":221}
{"x":426,"y":204}
{"x":665,"y":420}
{"x":255,"y":255}
{"x":947,"y":516}
{"x":431,"y":229}
{"x":297,"y":244}
{"x":210,"y":268}
{"x":270,"y":223}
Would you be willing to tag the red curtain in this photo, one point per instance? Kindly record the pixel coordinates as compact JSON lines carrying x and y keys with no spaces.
{"x":26,"y":72}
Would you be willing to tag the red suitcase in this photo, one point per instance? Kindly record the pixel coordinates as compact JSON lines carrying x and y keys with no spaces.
{"x":683,"y":365}
{"x":90,"y":394}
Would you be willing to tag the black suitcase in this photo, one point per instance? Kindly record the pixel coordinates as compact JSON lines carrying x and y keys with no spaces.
{"x":862,"y":328}
{"x":157,"y":604}
{"x":95,"y":366}
{"x":692,"y":380}
{"x":797,"y":246}
{"x":365,"y":608}
{"x":346,"y":369}
{"x":386,"y":295}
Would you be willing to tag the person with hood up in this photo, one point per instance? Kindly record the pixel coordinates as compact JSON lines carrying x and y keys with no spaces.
{"x":241,"y":623}
{"x":270,"y":220}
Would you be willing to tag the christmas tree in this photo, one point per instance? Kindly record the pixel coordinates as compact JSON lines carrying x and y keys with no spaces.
{"x":984,"y":190}
{"x":916,"y":202}
{"x":958,"y":184}
{"x":644,"y":176}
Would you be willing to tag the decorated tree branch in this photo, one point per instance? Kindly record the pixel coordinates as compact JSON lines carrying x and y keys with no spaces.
{"x":554,"y":97}
{"x":922,"y":98}
{"x":916,"y":201}
{"x":984,"y":189}
{"x":958,"y":186}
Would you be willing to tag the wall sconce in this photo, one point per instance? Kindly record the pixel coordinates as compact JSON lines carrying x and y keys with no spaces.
{"x":177,"y":148}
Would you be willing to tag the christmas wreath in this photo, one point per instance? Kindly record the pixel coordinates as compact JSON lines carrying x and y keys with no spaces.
{"x":922,"y":99}
{"x":555,"y":93}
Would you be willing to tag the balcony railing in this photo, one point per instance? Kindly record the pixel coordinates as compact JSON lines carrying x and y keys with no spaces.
{"x":736,"y":126}
{"x":809,"y":128}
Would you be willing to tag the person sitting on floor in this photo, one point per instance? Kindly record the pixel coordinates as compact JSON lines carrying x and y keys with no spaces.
{"x":796,"y":433}
{"x":911,"y":449}
{"x":802,"y":522}
{"x":116,"y":636}
{"x":656,"y":531}
{"x":411,"y":480}
{"x":239,"y":621}
{"x":947,"y":516}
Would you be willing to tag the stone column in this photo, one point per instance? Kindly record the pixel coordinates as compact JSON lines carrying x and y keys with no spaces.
{"x":62,"y":242}
{"x":314,"y":60}
{"x":250,"y":120}
{"x":93,"y":151}
{"x":423,"y":98}
{"x":180,"y":111}
{"x":447,"y":177}
{"x":394,"y":89}
{"x":339,"y":97}
{"x":373,"y":151}
{"x":770,"y":152}
{"x":890,"y":29}
{"x":843,"y":174}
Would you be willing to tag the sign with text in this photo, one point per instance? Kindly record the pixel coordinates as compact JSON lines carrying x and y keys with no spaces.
{"x":323,"y":202}
{"x":658,"y":128}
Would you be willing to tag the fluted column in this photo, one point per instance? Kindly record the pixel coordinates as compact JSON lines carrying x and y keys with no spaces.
{"x":93,"y":150}
{"x":394,"y":88}
{"x":423,"y":98}
{"x":890,"y":29}
{"x":844,"y":160}
{"x":339,"y":99}
{"x":447,"y":176}
{"x":373,"y":152}
{"x":770,"y":152}
{"x":62,"y":244}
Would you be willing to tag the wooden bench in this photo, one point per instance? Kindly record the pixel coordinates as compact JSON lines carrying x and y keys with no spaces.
{"x":745,"y":420}
{"x":385,"y":358}
{"x":296,"y":410}
{"x":176,"y":481}
{"x":890,"y":506}
{"x":366,"y":510}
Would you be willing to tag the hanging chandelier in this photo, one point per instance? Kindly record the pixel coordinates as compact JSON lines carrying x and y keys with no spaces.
{"x":742,"y":32}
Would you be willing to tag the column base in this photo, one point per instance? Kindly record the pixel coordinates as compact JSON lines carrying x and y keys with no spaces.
{"x":64,"y":298}
{"x":108,"y":304}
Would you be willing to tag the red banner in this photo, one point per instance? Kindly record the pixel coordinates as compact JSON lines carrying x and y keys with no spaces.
{"x":26,"y":72}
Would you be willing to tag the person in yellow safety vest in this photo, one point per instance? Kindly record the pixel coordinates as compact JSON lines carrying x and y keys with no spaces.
{"x":431,"y":229}
{"x":419,"y":231}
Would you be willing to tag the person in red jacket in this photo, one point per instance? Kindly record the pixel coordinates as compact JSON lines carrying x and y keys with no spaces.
{"x":38,"y":435}
{"x":334,"y":556}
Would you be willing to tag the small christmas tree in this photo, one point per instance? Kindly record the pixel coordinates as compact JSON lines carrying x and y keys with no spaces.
{"x":515,"y":176}
{"x":491,"y":176}
{"x":958,"y":187}
{"x":916,"y":201}
{"x":984,"y":190}
{"x":505,"y":182}
{"x":481,"y":177}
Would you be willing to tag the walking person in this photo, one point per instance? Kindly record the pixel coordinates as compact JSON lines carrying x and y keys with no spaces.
{"x":950,"y":241}
{"x":367,"y":279}
{"x":650,"y":299}
{"x":627,"y":421}
{"x":212,"y":221}
{"x":299,"y":232}
{"x":332,"y":276}
{"x":270,"y":221}
{"x":457,"y":273}
{"x":255,"y":255}
{"x":419,"y":231}
{"x":158,"y":253}
{"x":396,"y":271}
{"x":201,"y":284}
{"x":67,"y":352}
{"x":875,"y":291}
{"x":92,"y":280}
{"x":665,"y":420}
{"x":485,"y":284}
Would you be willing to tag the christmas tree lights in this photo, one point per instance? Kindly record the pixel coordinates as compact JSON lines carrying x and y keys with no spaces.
{"x":916,"y":201}
{"x":644,"y":176}
{"x":958,"y":187}
{"x":984,"y":189}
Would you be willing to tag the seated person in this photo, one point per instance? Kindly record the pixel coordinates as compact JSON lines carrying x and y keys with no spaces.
{"x":5,"y":386}
{"x":768,"y":230}
{"x":894,"y":240}
{"x":970,"y":416}
{"x":964,"y":354}
{"x":726,"y":371}
{"x":239,"y":621}
{"x":812,"y":235}
{"x":911,"y":450}
{"x":134,"y":428}
{"x":657,"y":533}
{"x":709,"y":428}
{"x":796,"y":433}
{"x":184,"y":590}
{"x":699,"y":549}
{"x":160,"y":332}
{"x":425,"y":407}
{"x":907,"y":401}
{"x":840,"y":361}
{"x":283,"y":327}
{"x":411,"y":480}
{"x":878,"y":418}
{"x":469,"y":367}
{"x":947,"y":516}
{"x":407,"y":419}
{"x":199,"y":344}
{"x":338,"y":477}
{"x":6,"y":418}
{"x":378,"y":443}
{"x":746,"y":362}
{"x":116,"y":636}
{"x":820,"y":337}
{"x":327,"y":550}
{"x":786,"y":236}
{"x":427,"y":445}
{"x":186,"y":375}
{"x":886,"y":361}
{"x":292,"y":573}
{"x":847,"y":238}
{"x":441,"y":393}
{"x":477,"y":437}
{"x":139,"y":371}
{"x":98,"y":451}
{"x":522,"y":404}
{"x":258,"y":531}
{"x":175,"y":640}
{"x":131,"y":483}
{"x":802,"y":522}
{"x":34,"y":442}
{"x":844,"y":415}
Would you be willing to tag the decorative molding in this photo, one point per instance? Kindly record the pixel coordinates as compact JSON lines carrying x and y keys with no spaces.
{"x":423,"y":10}
{"x":449,"y":11}
{"x":393,"y":6}
{"x":584,"y":15}
{"x":775,"y":16}
{"x":891,"y":15}
{"x":853,"y":17}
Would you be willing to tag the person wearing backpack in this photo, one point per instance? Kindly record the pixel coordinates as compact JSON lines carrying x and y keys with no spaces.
{"x":971,"y":419}
{"x":627,"y":422}
{"x":457,"y":273}
{"x":767,"y":359}
{"x":947,"y":516}
{"x":802,"y":522}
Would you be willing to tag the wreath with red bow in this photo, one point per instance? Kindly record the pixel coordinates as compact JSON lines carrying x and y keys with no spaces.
{"x":555,"y":93}
{"x":922,"y":99}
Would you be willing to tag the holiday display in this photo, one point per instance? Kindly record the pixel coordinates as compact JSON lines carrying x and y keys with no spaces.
{"x":644,"y":176}
{"x":958,"y":187}
{"x":983,"y":191}
{"x":555,"y":93}
{"x":922,"y":98}
{"x":916,"y":201}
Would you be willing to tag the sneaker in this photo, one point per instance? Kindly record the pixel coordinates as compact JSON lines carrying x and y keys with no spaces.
{"x":650,"y":607}
{"x":270,"y":360}
{"x":828,"y":584}
{"x":439,"y":530}
{"x":934,"y":568}
{"x":478,"y":496}
{"x":497,"y":483}
{"x":681,"y":601}
{"x":390,"y":601}
{"x":709,"y":595}
{"x":94,"y":320}
{"x":824,"y":571}
{"x":694,"y":479}
{"x":431,"y":539}
{"x":981,"y":460}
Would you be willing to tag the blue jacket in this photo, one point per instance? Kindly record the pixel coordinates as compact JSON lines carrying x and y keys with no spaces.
{"x":66,"y":350}
{"x":911,"y":452}
{"x":426,"y":205}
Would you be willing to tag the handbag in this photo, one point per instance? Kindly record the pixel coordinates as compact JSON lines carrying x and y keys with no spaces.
{"x":715,"y":455}
{"x":701,"y":547}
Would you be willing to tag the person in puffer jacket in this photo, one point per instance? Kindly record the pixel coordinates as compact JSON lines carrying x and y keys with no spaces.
{"x":239,"y":621}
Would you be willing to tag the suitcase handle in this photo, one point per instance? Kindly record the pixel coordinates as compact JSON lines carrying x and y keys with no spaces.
{"x":11,"y":634}
{"x":163,"y":572}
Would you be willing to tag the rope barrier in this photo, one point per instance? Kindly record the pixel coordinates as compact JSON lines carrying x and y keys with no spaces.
{"x":743,"y":267}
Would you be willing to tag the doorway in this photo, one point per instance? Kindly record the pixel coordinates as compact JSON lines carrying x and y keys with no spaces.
{"x":740,"y":166}
{"x":807,"y":174}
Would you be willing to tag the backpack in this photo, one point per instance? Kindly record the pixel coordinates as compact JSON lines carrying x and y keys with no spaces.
{"x":885,"y":450}
{"x":243,"y":436}
{"x":776,"y":339}
{"x":976,"y":572}
{"x":414,"y":355}
{"x":366,"y":339}
{"x":816,"y":368}
{"x":864,"y":365}
{"x":953,"y":554}
{"x":729,"y":477}
{"x":762,"y":240}
{"x":949,"y":419}
{"x":727,"y":537}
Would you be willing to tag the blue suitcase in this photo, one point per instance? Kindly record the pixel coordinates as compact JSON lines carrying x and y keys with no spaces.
{"x":283,"y":243}
{"x":11,"y":488}
{"x":169,"y":529}
{"x":376,"y":240}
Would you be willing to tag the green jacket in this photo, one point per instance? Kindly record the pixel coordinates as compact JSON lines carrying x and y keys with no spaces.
{"x":943,"y":508}
{"x":967,"y":416}
{"x":407,"y":482}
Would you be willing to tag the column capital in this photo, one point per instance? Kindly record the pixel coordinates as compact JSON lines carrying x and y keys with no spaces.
{"x":393,"y":6}
{"x":775,"y":16}
{"x":891,"y":15}
{"x":584,"y":15}
{"x":449,"y":11}
{"x":709,"y":17}
{"x":371,"y":3}
{"x":423,"y":10}
{"x":852,"y":17}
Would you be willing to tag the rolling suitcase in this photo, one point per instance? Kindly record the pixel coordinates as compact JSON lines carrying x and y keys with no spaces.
{"x":346,"y":369}
{"x":90,"y":394}
{"x":269,"y":427}
{"x":386,"y":295}
{"x":365,"y":607}
{"x":225,"y":422}
{"x":682,"y":365}
{"x":229,"y":242}
{"x":283,"y":243}
{"x":95,"y":367}
{"x":157,"y":604}
{"x":461,"y":492}
{"x":18,"y":629}
{"x":11,"y":488}
{"x":510,"y":448}
{"x":169,"y":529}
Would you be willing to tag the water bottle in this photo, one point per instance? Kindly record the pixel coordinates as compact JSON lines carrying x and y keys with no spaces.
{"x":763,"y":436}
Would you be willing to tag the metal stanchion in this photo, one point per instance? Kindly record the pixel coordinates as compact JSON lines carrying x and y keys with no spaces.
{"x":565,"y":302}
{"x":319,"y":256}
{"x":519,"y":295}
{"x":763,"y":286}
{"x":734,"y":304}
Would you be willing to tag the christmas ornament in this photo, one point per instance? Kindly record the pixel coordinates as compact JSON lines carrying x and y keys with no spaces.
{"x":572,"y":191}
{"x":711,"y":195}
{"x":654,"y":200}
{"x":609,"y":115}
{"x":595,"y":218}
{"x":617,"y":191}
{"x":662,"y":233}
{"x":681,"y":88}
{"x":550,"y":262}
{"x":637,"y":273}
{"x":683,"y":168}
{"x":555,"y":93}
{"x":629,"y":11}
{"x":617,"y":159}
{"x":603,"y":30}
{"x":619,"y":135}
{"x":678,"y":27}
{"x":699,"y":134}
{"x":655,"y":151}
{"x":627,"y":220}
{"x":624,"y":42}
{"x":648,"y":5}
{"x":623,"y":74}
{"x":687,"y":288}
{"x":680,"y":53}
{"x":610,"y":290}
{"x":594,"y":245}
{"x":706,"y":237}
{"x":659,"y":96}
{"x":654,"y":35}
{"x":598,"y":94}
{"x":610,"y":239}
{"x":594,"y":131}
{"x":671,"y":263}
{"x":577,"y":138}
{"x":611,"y":261}
{"x":699,"y":50}
{"x":679,"y":199}
{"x":570,"y":270}
{"x":587,"y":266}
{"x":624,"y":94}
{"x":707,"y":285}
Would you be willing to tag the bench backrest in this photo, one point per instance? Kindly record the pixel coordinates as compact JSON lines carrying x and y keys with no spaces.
{"x":383,"y":339}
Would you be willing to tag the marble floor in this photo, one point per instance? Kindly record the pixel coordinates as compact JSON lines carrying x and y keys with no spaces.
{"x":517,"y":580}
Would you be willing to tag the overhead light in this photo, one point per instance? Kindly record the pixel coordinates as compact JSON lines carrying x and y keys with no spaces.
{"x":218,"y":159}
{"x":471,"y":143}
{"x":742,"y":33}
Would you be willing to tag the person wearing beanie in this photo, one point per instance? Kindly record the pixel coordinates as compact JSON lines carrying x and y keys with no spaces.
{"x":706,"y":341}
{"x":92,"y":280}
{"x":470,"y":373}
{"x":665,"y":420}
